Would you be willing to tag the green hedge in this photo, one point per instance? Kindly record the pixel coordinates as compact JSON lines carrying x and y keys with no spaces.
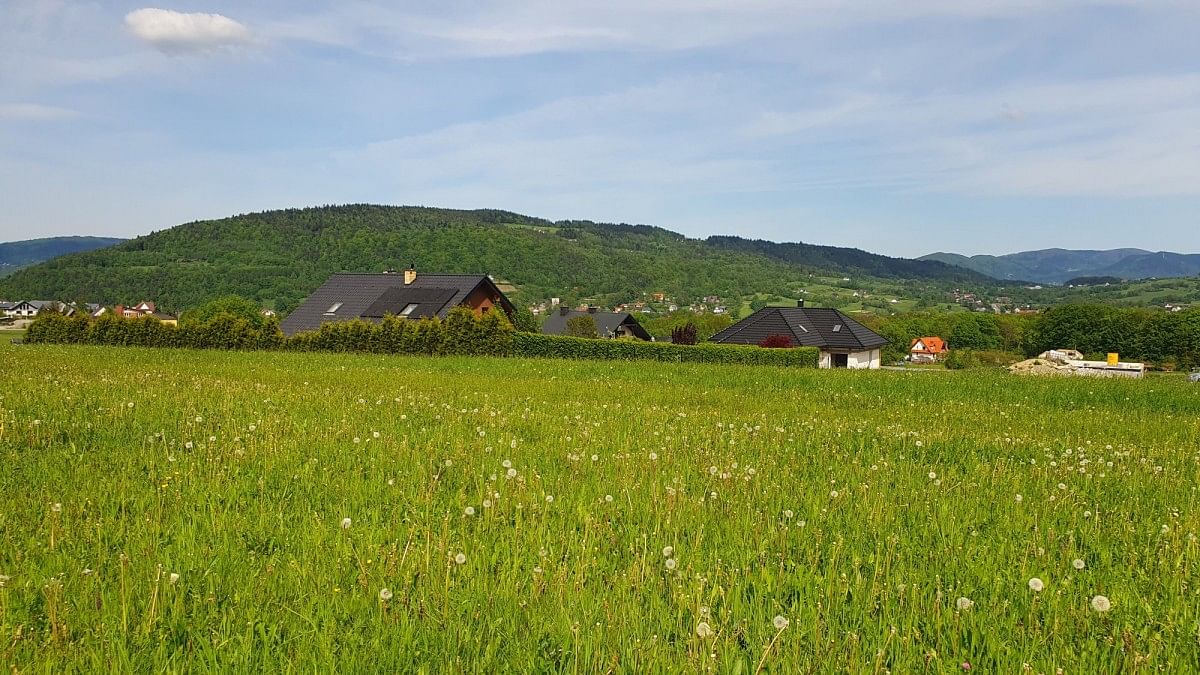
{"x":461,"y":333}
{"x":562,"y":347}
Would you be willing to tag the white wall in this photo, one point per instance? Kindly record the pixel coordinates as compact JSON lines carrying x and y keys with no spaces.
{"x":855,"y":360}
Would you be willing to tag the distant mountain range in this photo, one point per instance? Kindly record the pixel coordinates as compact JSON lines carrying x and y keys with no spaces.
{"x":1058,"y":265}
{"x":17,"y":254}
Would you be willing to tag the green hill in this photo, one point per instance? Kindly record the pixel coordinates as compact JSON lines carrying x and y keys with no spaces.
{"x":17,"y":254}
{"x":277,"y":258}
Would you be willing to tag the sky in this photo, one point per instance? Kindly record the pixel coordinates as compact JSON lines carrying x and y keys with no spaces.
{"x":900,"y":127}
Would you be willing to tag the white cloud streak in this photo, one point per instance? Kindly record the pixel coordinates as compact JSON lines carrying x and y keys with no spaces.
{"x":185,"y":33}
{"x":34,"y":112}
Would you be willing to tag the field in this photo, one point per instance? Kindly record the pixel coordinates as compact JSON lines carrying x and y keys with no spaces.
{"x":252,"y":512}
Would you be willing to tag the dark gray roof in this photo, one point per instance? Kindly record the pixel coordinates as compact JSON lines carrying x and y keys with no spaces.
{"x":371,"y":296}
{"x":822,"y":327}
{"x":606,"y":323}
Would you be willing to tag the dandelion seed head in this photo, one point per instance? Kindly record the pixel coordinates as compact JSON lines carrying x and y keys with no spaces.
{"x":703,"y":630}
{"x":346,"y":522}
{"x":1036,"y":585}
{"x":671,"y":564}
{"x":1078,"y":564}
{"x":469,"y":511}
{"x":964,"y":604}
{"x":174,"y":577}
{"x":461,"y":558}
{"x":668,"y":551}
{"x":1101,"y":604}
{"x":385,"y":594}
{"x":780,"y":622}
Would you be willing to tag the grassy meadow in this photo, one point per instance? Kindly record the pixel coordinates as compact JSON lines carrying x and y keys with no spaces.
{"x":265,"y":512}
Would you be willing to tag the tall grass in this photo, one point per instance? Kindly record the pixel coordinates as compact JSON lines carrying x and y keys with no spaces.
{"x":858,"y":506}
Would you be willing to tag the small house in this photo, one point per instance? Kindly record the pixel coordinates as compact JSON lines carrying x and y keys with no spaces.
{"x":370,"y":297}
{"x":927,"y":350}
{"x":608,"y":324}
{"x":842,"y":341}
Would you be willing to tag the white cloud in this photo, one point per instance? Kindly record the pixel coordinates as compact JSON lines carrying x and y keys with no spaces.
{"x":34,"y":112}
{"x":178,"y":32}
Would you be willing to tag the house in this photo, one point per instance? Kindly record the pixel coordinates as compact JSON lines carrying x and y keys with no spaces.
{"x":927,"y":349}
{"x":143,"y":308}
{"x":842,"y":341}
{"x":608,"y":324}
{"x":5,"y":307}
{"x":370,"y":297}
{"x":28,"y":309}
{"x":658,"y":296}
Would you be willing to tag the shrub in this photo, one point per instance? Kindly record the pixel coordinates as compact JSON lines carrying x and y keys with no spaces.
{"x":684,"y":335}
{"x":776,"y":342}
{"x":582,"y":327}
{"x":565,"y":347}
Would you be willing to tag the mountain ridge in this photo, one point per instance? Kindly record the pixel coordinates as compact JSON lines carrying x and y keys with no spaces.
{"x":1057,"y":265}
{"x":17,"y":254}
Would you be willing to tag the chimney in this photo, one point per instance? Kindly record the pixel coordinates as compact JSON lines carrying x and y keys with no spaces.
{"x":800,"y":303}
{"x":563,"y":311}
{"x":410,"y":274}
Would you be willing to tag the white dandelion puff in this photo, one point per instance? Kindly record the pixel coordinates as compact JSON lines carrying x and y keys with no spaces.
{"x":964,"y":604}
{"x":608,"y":499}
{"x":1036,"y":585}
{"x":671,"y":564}
{"x":385,"y":594}
{"x":1101,"y":604}
{"x":549,"y":499}
{"x":506,"y":464}
{"x":653,"y":456}
{"x":1078,"y":564}
{"x":461,"y":558}
{"x":469,"y":511}
{"x":346,"y":523}
{"x":703,"y":630}
{"x":780,"y":622}
{"x":668,"y":551}
{"x":511,"y":473}
{"x":1019,"y":498}
{"x":174,"y":577}
{"x":56,"y":507}
{"x":932,"y":475}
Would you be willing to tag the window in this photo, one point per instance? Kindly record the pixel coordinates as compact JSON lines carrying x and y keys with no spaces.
{"x":837,"y":328}
{"x":408,"y":309}
{"x":334,"y":308}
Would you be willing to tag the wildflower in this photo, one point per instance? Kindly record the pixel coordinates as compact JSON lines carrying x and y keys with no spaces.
{"x":1062,"y":486}
{"x":653,"y":456}
{"x":932,"y":475}
{"x":787,"y":513}
{"x":671,"y":564}
{"x":385,"y":594}
{"x":964,"y":604}
{"x":595,"y":457}
{"x":703,"y":630}
{"x":87,"y":571}
{"x":1101,"y":604}
{"x":537,"y":570}
{"x":56,"y":507}
{"x":1036,"y":585}
{"x":448,"y":463}
{"x":965,"y":665}
{"x":375,"y":434}
{"x":1087,"y":514}
{"x":469,"y":511}
{"x":608,"y":498}
{"x":780,"y":622}
{"x":1078,"y":564}
{"x":461,"y":558}
{"x":188,"y":445}
{"x":668,"y":551}
{"x":346,"y":523}
{"x":506,"y":464}
{"x":1019,"y":498}
{"x":549,"y":499}
{"x":511,"y":473}
{"x":199,"y":419}
{"x":174,"y":577}
{"x":833,"y":493}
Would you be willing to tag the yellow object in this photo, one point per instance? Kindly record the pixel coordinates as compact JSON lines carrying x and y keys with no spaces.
{"x":1112,"y":358}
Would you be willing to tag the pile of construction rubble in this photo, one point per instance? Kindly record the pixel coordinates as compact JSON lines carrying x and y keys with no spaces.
{"x":1071,"y":362}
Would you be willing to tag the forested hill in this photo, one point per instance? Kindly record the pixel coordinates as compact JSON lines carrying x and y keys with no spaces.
{"x":15,"y":254}
{"x":279,"y":257}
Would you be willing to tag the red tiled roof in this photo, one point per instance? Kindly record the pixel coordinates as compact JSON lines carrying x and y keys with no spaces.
{"x":933,"y":345}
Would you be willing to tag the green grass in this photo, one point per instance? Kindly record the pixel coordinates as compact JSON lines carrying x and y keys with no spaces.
{"x":860,"y":506}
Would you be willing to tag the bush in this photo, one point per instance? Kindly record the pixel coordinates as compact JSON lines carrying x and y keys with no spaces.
{"x":776,"y":342}
{"x":564,"y":347}
{"x":684,"y":335}
{"x":462,"y":333}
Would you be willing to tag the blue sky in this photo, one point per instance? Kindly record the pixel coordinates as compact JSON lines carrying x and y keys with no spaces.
{"x":978,"y":126}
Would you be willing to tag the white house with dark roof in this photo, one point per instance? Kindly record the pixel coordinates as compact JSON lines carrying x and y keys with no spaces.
{"x":842,"y":341}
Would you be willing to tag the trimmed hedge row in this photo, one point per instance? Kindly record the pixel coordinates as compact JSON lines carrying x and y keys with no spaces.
{"x":461,"y":333}
{"x":562,"y":347}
